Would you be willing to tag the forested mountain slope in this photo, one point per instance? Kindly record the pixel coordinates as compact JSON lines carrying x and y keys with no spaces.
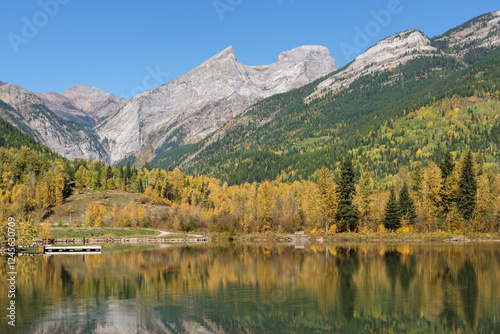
{"x":379,"y":117}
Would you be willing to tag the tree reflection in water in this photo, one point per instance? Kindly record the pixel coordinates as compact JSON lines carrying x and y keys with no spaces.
{"x":261,"y":288}
{"x":468,"y":286}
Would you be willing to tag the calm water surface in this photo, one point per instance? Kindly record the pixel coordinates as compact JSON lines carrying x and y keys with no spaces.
{"x":255,"y":288}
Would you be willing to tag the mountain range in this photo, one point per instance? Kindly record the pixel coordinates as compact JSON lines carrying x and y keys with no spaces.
{"x":223,"y":117}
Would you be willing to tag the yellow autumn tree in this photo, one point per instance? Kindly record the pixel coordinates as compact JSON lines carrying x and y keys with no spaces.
{"x":26,"y":232}
{"x":365,"y":198}
{"x":80,"y":177}
{"x":327,"y":188}
{"x":59,"y":183}
{"x":312,"y":206}
{"x":135,"y":214}
{"x":94,"y":216}
{"x":21,"y":200}
{"x":431,"y":196}
{"x":484,"y":212}
{"x":45,"y":233}
{"x":265,"y":205}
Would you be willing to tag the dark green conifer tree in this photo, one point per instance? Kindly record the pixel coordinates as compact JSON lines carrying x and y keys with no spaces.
{"x":479,"y":165}
{"x":140,"y":187}
{"x":392,"y":219}
{"x":109,"y":173}
{"x":467,"y":187}
{"x":447,"y":165}
{"x":347,"y":214}
{"x":406,"y":205}
{"x":447,"y":198}
{"x":128,"y":171}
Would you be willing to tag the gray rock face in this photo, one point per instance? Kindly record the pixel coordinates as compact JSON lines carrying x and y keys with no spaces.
{"x":84,"y":105}
{"x":480,"y":32}
{"x":390,"y":52}
{"x":94,"y":101}
{"x":34,"y":116}
{"x":193,"y":106}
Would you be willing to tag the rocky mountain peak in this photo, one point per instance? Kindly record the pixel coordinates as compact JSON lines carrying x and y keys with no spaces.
{"x":82,"y":89}
{"x":306,"y":53}
{"x":482,"y":31}
{"x":93,"y":101}
{"x":390,"y":52}
{"x":195,"y":105}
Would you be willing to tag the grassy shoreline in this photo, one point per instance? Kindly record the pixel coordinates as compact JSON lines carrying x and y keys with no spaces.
{"x":110,"y":232}
{"x":358,"y":237}
{"x":85,"y":232}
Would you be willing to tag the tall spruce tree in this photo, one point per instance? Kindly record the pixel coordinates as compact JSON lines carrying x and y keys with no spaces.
{"x":406,"y":205}
{"x":392,"y":219}
{"x":467,"y":187}
{"x":447,"y":165}
{"x":446,"y":193}
{"x":479,"y":165}
{"x":128,"y":171}
{"x":347,"y":213}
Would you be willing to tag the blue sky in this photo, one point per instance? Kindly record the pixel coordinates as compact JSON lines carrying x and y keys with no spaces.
{"x":127,"y":46}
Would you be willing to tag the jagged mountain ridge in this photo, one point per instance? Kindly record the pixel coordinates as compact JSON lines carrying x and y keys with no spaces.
{"x":193,"y":106}
{"x":480,"y":32}
{"x":388,"y":53}
{"x":86,"y":105}
{"x":216,"y":96}
{"x":274,"y":133}
{"x":52,"y":120}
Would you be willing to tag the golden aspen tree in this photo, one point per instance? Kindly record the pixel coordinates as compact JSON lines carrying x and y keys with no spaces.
{"x":39,"y":200}
{"x":80,"y":177}
{"x":8,"y":179}
{"x":45,"y":233}
{"x":47,"y":196}
{"x":312,"y":205}
{"x":366,"y":198}
{"x":26,"y":233}
{"x":327,"y":188}
{"x":94,"y":216}
{"x":431,"y":197}
{"x":115,"y":216}
{"x":59,"y":184}
{"x":265,"y":205}
{"x":495,"y":224}
{"x":21,"y":200}
{"x":483,"y":214}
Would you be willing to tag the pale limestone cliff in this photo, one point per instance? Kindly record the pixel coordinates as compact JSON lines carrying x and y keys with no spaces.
{"x":31,"y":114}
{"x":193,"y":106}
{"x":388,"y":53}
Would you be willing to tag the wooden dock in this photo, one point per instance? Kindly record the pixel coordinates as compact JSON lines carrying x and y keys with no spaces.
{"x":72,"y":250}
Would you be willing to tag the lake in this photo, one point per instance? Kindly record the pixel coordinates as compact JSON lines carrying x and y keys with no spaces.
{"x":260,"y":288}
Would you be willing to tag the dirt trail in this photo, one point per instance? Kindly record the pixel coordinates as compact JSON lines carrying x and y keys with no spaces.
{"x":165,"y":233}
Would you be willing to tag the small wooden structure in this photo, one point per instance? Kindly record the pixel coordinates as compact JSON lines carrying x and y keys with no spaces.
{"x":72,"y":250}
